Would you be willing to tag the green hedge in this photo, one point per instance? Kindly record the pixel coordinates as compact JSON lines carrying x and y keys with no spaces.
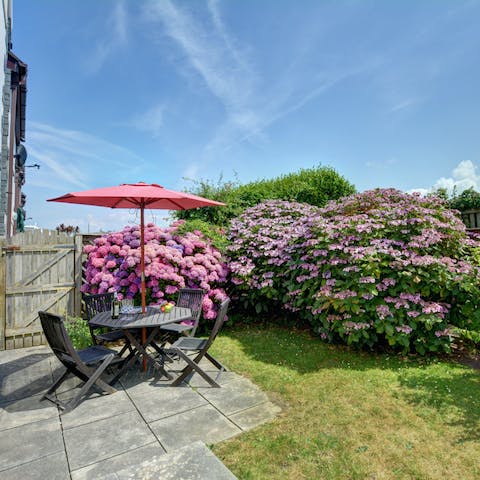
{"x":315,"y":186}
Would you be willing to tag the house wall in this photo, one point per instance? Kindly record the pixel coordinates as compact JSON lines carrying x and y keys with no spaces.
{"x":5,"y":39}
{"x":3,"y":46}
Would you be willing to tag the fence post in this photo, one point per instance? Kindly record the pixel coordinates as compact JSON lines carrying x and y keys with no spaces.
{"x":3,"y":293}
{"x":78,"y":274}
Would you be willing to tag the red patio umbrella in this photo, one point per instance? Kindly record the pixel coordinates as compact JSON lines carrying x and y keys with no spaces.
{"x":138,"y":195}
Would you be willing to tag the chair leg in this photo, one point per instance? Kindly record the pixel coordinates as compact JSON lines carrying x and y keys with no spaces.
{"x":192,"y":365}
{"x":92,"y":334}
{"x":131,"y":358}
{"x":93,"y":380}
{"x":54,"y":387}
{"x":124,"y":349}
{"x":215,"y":362}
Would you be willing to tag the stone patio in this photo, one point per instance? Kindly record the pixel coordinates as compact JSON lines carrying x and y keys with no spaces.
{"x":145,"y":430}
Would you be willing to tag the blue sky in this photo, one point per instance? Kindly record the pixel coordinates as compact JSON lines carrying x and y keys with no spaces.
{"x":385,"y":92}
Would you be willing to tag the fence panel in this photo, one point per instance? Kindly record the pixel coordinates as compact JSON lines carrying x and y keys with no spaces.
{"x":39,"y":270}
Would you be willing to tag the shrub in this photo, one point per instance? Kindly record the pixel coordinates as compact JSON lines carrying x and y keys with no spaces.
{"x":469,"y":199}
{"x":78,"y":331}
{"x":258,"y":253}
{"x":213,"y":233}
{"x":384,"y":268}
{"x":315,"y":186}
{"x":172,"y":261}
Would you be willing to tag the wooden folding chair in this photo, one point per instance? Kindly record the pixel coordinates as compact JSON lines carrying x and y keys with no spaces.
{"x":199,"y":347}
{"x":102,"y":302}
{"x":191,"y":298}
{"x":87,"y":364}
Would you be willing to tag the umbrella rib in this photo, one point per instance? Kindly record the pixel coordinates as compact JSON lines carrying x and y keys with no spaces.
{"x":129,"y":199}
{"x":177,"y":204}
{"x":149,"y":201}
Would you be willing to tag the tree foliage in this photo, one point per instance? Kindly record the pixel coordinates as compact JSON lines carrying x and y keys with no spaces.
{"x":469,"y":199}
{"x":315,"y":186}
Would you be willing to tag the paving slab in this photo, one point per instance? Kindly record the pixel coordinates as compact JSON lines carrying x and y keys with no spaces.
{"x":135,"y":376}
{"x":51,"y":467}
{"x":255,"y":416}
{"x":23,"y":376}
{"x":235,"y":396}
{"x":203,"y":423}
{"x":193,"y":462}
{"x":93,"y":442}
{"x":9,"y":355}
{"x":95,"y":407}
{"x":24,"y":411}
{"x":196,"y":381}
{"x":112,"y":434}
{"x":155,"y":403}
{"x":27,"y":443}
{"x":119,"y":462}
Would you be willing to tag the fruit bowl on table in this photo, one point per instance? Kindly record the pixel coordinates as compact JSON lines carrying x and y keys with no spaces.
{"x":164,"y":307}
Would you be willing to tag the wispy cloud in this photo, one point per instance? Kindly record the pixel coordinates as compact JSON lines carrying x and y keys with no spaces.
{"x":150,"y":121}
{"x":251,"y":102}
{"x":114,"y":36}
{"x":404,"y":104}
{"x":230,"y":44}
{"x":209,"y":51}
{"x":71,"y":158}
{"x":56,"y":171}
{"x":381,"y":164}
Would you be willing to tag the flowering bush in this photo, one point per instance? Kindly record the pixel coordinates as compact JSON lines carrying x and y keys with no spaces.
{"x":171,"y":262}
{"x":386,"y":268}
{"x":258,"y":253}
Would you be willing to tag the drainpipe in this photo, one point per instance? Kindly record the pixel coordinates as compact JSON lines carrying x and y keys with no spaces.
{"x":11,"y":166}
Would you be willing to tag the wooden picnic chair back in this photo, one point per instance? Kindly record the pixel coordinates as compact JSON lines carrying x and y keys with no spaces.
{"x":192,"y":298}
{"x":96,"y":303}
{"x":219,"y":321}
{"x":57,"y":337}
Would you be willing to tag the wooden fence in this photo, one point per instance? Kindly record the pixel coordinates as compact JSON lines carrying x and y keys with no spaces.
{"x":39,"y":270}
{"x":471,"y":219}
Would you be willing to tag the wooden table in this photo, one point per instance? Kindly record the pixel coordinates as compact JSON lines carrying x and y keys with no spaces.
{"x":153,"y":319}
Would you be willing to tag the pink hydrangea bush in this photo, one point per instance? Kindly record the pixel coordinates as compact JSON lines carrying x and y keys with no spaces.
{"x":171,"y":262}
{"x":258,"y":252}
{"x":386,"y":269}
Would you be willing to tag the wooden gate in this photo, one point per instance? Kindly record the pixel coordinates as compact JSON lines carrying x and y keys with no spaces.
{"x":39,"y":270}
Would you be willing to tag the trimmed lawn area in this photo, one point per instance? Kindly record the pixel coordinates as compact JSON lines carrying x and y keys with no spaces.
{"x":349,"y":414}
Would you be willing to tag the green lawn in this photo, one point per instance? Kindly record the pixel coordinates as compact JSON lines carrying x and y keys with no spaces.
{"x":349,"y":415}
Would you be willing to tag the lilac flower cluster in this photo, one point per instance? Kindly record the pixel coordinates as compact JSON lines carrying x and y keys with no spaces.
{"x":259,"y":252}
{"x":398,"y":270}
{"x":171,"y":262}
{"x":380,"y":268}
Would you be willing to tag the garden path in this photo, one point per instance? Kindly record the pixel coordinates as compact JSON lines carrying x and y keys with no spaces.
{"x":145,"y":430}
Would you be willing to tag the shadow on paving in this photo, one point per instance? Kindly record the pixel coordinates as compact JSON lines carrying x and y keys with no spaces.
{"x":24,"y":376}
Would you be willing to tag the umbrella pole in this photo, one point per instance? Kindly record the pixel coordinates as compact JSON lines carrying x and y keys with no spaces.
{"x":142,"y":266}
